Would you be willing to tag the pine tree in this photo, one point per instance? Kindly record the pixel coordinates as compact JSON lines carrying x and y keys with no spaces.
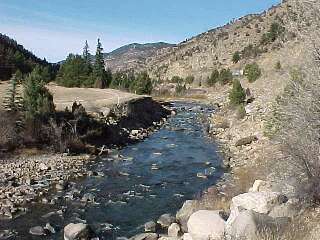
{"x":37,"y":98}
{"x":99,"y":71}
{"x":86,"y":53}
{"x":237,"y":95}
{"x":10,"y":99}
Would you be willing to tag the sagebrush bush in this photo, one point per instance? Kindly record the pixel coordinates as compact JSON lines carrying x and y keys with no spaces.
{"x":252,"y":72}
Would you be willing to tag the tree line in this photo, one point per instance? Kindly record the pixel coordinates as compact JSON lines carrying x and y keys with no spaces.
{"x":89,"y":71}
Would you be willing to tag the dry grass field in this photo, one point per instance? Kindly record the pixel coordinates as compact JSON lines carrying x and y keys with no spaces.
{"x":94,"y":100}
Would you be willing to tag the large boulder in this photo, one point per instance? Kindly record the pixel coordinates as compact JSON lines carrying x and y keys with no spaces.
{"x":78,"y":231}
{"x":205,"y":225}
{"x":260,"y":202}
{"x":250,"y":225}
{"x":189,"y":207}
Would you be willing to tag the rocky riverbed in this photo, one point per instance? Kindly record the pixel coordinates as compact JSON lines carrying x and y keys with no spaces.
{"x":116,"y":194}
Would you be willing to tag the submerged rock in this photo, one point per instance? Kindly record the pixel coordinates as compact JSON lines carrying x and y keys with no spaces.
{"x":37,"y":231}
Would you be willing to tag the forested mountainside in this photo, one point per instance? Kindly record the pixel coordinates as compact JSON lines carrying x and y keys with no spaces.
{"x":14,"y":56}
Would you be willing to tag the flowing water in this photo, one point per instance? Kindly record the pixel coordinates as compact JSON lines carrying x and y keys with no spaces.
{"x":153,"y":177}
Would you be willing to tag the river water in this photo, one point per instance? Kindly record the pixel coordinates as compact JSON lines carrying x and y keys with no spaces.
{"x":151,"y":178}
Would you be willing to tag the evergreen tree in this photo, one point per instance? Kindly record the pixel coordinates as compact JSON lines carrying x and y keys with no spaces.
{"x":237,"y":94}
{"x":86,"y":53}
{"x":236,"y":57}
{"x":74,"y":73}
{"x":99,"y":72}
{"x":37,"y":99}
{"x":12,"y":100}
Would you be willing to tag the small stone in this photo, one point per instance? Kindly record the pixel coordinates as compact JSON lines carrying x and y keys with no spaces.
{"x":50,"y":228}
{"x":43,"y":167}
{"x":37,"y":231}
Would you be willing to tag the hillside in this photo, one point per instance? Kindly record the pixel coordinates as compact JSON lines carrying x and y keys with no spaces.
{"x":14,"y":56}
{"x":214,"y":49}
{"x":132,"y":56}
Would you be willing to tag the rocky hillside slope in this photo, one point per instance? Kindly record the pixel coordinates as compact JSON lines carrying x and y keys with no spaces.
{"x":132,"y":56}
{"x":214,"y":49}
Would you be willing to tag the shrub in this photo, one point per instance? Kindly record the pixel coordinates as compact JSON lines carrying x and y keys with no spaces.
{"x":142,"y":84}
{"x":176,"y":79}
{"x":180,"y":89}
{"x":278,"y":66}
{"x":275,"y":31}
{"x":225,"y":76}
{"x":236,"y":57}
{"x":237,"y":94}
{"x":251,"y":52}
{"x":214,"y":78}
{"x":252,"y":72}
{"x":189,"y":79}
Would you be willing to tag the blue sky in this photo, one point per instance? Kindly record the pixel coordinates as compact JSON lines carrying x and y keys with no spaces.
{"x":54,"y":28}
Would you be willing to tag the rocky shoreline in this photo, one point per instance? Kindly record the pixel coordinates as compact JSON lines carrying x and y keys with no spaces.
{"x":234,"y":208}
{"x":28,"y":179}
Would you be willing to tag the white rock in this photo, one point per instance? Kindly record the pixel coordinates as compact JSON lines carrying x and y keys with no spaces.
{"x":183,"y":215}
{"x":174,"y":230}
{"x":76,"y":231}
{"x":249,"y":225}
{"x":205,"y":225}
{"x":260,"y":186}
{"x":187,"y":236}
{"x":260,"y":202}
{"x":43,"y":167}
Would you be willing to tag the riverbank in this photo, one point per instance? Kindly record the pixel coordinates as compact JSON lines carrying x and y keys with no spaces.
{"x":137,"y":183}
{"x":28,"y":178}
{"x":257,"y":177}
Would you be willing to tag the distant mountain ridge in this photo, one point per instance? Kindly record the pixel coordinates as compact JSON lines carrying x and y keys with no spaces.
{"x":133,"y":56}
